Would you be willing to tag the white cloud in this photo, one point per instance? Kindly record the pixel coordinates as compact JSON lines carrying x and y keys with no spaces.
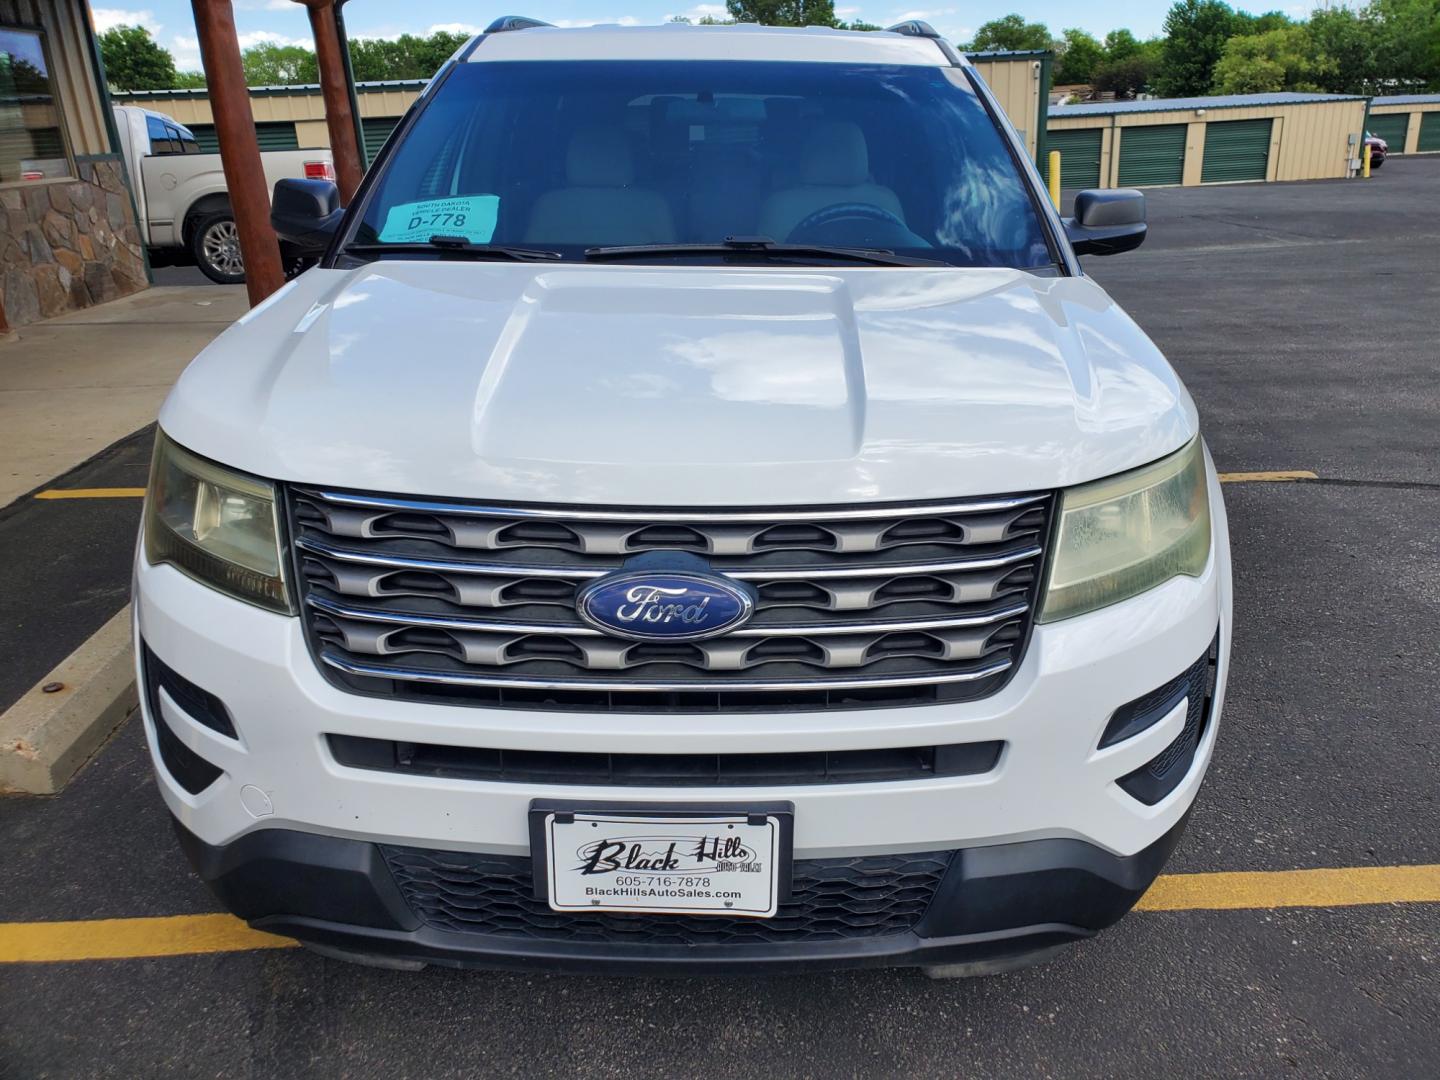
{"x":266,"y":5}
{"x":186,"y":51}
{"x":700,"y":11}
{"x":623,"y":20}
{"x":269,"y":37}
{"x":109,"y":18}
{"x":451,"y":28}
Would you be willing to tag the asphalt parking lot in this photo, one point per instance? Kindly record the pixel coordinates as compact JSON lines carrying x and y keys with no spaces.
{"x":1303,"y":318}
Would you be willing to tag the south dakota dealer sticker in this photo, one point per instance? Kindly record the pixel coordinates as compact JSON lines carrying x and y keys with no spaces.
{"x":711,"y":865}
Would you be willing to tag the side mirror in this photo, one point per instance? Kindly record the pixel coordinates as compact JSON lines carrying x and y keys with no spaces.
{"x":1107,"y":222}
{"x":306,"y":214}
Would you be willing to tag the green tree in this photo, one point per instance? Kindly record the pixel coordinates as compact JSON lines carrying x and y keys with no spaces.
{"x":1132,"y":74}
{"x":1120,"y":44}
{"x":1011,"y":34}
{"x":269,"y":64}
{"x":1245,"y":23}
{"x":135,"y":61}
{"x":190,"y":80}
{"x":1195,"y":35}
{"x":1348,"y":39}
{"x":784,"y":12}
{"x":1081,"y":53}
{"x":1407,"y":43}
{"x":1284,"y":59}
{"x":406,"y":57}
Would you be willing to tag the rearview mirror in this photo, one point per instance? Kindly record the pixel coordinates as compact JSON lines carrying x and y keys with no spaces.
{"x":1107,"y":222}
{"x":305,"y":214}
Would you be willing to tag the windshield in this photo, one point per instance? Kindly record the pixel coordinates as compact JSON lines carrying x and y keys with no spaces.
{"x":571,"y":156}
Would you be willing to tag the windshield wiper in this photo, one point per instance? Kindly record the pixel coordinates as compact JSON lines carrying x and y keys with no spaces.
{"x":762,"y":246}
{"x":458,"y":245}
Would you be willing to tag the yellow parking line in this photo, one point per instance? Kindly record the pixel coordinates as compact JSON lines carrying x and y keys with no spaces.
{"x":119,"y":939}
{"x":178,"y":935}
{"x":92,"y":493}
{"x":1266,"y":477}
{"x":1294,"y":888}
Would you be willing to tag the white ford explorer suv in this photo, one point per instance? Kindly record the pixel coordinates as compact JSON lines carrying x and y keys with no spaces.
{"x":697,"y":516}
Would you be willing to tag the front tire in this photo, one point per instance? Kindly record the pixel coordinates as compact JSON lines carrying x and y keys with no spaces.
{"x":215,"y":243}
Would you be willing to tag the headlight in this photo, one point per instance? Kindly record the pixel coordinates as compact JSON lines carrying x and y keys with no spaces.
{"x":217,"y":525}
{"x":1132,"y":532}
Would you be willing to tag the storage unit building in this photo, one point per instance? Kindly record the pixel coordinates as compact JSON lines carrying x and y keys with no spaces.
{"x":1209,"y":140}
{"x":1409,"y":123}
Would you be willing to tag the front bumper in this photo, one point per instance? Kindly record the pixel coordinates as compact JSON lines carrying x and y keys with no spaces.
{"x":993,"y":904}
{"x":1047,"y":845}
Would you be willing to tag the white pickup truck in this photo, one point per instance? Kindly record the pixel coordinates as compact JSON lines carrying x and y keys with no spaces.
{"x":180,"y":191}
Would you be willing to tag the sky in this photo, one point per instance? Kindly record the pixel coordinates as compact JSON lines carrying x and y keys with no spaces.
{"x":284,"y":21}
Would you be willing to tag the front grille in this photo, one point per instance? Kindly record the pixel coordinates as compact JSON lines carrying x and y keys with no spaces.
{"x":831,"y":900}
{"x":856,"y":607}
{"x":665,"y":770}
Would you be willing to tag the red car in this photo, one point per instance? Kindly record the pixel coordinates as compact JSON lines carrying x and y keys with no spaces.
{"x":1378,"y":149}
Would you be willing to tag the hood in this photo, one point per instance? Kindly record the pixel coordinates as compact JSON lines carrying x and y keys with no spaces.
{"x":681,"y":386}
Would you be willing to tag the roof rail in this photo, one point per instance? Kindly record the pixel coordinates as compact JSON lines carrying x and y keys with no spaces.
{"x":913,"y":28}
{"x":514,"y":22}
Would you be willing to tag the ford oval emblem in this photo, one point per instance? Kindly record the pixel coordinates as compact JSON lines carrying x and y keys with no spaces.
{"x":661,"y":606}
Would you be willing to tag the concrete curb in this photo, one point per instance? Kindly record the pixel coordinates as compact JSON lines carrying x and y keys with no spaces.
{"x":46,"y":738}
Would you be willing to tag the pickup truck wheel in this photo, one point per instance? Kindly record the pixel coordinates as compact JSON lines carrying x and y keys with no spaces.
{"x":215,"y":243}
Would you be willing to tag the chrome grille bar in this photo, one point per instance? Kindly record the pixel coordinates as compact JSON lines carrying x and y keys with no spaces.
{"x":580,"y":513}
{"x":577,"y":629}
{"x":522,"y":570}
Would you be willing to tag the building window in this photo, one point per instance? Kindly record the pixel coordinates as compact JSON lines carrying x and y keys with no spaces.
{"x":32,"y":137}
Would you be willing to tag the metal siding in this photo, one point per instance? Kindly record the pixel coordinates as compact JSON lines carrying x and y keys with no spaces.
{"x":1392,"y":128}
{"x":1079,"y":157}
{"x":1236,"y":150}
{"x":377,"y":130}
{"x":205,"y":136}
{"x":1152,"y":155}
{"x":277,"y":136}
{"x":1429,"y":133}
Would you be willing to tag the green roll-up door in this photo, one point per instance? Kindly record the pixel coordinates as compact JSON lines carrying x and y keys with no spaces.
{"x":1152,"y":155}
{"x":377,"y":130}
{"x":277,"y":135}
{"x":1391,"y":127}
{"x":1429,"y":132}
{"x":1079,"y":157}
{"x":1236,"y":150}
{"x":205,"y":136}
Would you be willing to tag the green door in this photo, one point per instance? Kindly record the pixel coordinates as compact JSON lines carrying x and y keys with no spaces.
{"x":377,"y":130}
{"x":1429,"y":132}
{"x":1079,"y":157}
{"x":1391,"y":127}
{"x":1152,"y":155}
{"x":277,"y":135}
{"x":1235,"y":150}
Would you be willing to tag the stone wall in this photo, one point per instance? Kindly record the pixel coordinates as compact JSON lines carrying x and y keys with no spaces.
{"x":68,"y":244}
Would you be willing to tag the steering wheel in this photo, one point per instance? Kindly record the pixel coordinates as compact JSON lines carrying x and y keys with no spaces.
{"x":832,"y":215}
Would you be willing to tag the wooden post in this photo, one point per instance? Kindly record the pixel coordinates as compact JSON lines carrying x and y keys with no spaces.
{"x":334,"y":88}
{"x":239,"y":148}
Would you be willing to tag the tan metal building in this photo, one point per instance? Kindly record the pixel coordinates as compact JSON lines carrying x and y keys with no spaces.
{"x":1205,"y":140}
{"x":1409,"y":123}
{"x":293,"y":117}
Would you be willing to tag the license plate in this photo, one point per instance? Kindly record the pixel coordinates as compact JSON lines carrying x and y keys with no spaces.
{"x":693,"y":864}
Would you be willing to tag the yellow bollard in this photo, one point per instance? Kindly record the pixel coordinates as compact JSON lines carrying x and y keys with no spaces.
{"x":1055,"y":178}
{"x":1365,"y":163}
